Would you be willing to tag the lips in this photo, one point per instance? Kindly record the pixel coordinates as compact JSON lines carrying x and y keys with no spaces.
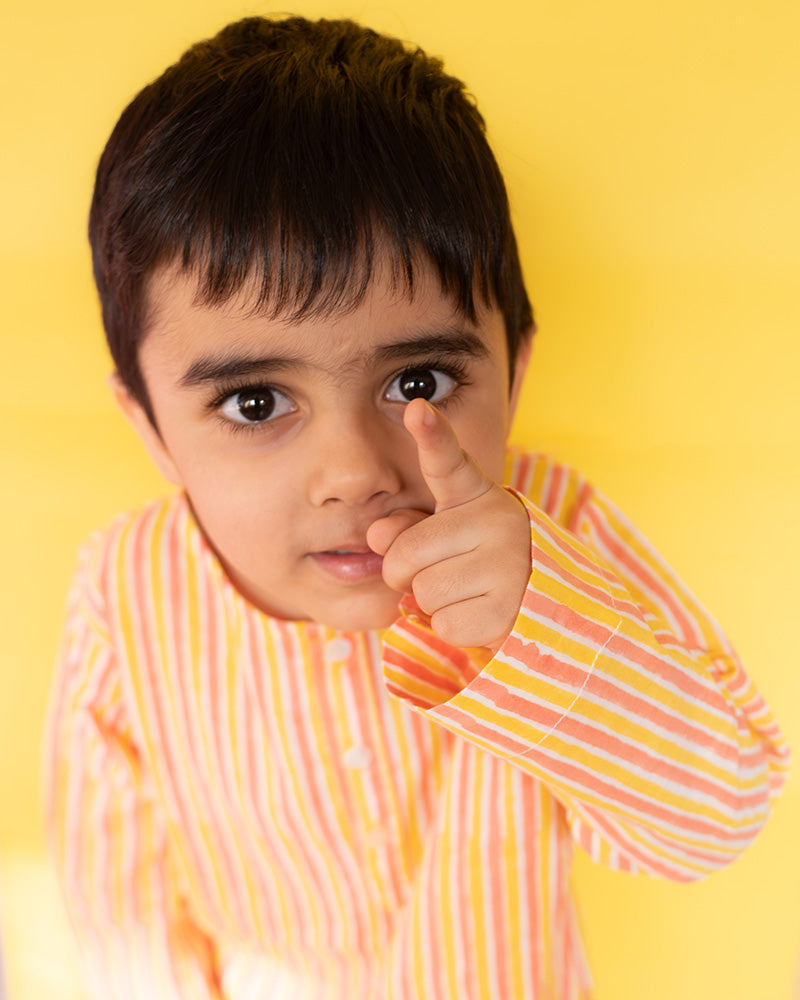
{"x":349,"y":565}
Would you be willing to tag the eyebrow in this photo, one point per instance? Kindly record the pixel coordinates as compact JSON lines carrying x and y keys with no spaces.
{"x":226,"y":368}
{"x":461,"y":342}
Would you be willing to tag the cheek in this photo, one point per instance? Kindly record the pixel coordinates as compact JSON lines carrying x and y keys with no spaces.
{"x":237,"y":500}
{"x":494,"y":460}
{"x":485,"y":437}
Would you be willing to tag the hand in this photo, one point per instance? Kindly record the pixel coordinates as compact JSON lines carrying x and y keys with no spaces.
{"x":468,"y":563}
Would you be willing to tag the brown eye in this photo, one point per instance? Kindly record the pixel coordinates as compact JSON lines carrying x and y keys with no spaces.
{"x":428,"y":383}
{"x":255,"y":405}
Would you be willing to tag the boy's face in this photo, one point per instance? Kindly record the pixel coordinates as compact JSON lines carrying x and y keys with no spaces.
{"x":288,"y":436}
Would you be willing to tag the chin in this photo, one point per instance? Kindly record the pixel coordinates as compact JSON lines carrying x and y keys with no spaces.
{"x":362,"y":616}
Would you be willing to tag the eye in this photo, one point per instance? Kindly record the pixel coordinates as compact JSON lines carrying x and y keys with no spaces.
{"x":255,"y":405}
{"x":429,"y":383}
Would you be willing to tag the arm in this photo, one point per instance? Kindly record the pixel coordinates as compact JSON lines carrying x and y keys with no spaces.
{"x":614,"y":687}
{"x":721,"y":739}
{"x":107,"y":834}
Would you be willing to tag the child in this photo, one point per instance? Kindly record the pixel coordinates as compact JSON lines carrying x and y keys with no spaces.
{"x":329,"y":720}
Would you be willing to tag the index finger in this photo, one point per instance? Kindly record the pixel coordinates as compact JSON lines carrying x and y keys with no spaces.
{"x":452,"y":476}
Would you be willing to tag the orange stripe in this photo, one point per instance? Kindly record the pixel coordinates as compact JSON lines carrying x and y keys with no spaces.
{"x":437,"y":868}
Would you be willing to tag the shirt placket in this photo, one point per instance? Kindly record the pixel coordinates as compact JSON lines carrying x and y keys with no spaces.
{"x":365,"y":767}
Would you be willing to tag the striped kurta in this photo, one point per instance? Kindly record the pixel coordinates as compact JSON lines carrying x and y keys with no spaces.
{"x":244,"y":807}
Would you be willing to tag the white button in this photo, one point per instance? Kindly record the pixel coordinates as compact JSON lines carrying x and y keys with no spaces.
{"x":357,"y":757}
{"x":338,"y":649}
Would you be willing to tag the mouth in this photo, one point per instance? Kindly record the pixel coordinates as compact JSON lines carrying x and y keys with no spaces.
{"x":350,"y":565}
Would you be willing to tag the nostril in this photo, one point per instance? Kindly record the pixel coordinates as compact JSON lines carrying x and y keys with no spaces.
{"x":375,"y":498}
{"x":354,"y":484}
{"x":353,"y":464}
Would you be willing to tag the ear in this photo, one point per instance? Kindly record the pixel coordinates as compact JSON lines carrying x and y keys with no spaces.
{"x":521,"y":366}
{"x":139,"y":420}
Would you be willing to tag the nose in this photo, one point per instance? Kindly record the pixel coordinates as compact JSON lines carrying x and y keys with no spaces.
{"x":356,"y":461}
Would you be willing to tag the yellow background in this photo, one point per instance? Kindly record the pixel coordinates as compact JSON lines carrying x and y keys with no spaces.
{"x":653,"y":157}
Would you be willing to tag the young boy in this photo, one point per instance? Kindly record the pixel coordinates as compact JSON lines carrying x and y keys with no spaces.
{"x":329,"y":719}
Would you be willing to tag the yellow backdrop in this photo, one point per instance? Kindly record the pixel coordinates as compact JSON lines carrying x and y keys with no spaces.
{"x":653,"y":157}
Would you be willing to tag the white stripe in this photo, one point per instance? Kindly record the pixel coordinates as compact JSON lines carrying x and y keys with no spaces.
{"x":658,"y":681}
{"x":685,"y":792}
{"x":640,"y":720}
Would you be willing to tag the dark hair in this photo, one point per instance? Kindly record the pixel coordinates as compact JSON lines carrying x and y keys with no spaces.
{"x":293,"y":151}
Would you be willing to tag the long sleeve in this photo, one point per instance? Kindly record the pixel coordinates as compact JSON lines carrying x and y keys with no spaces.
{"x":617,"y":690}
{"x":108,"y":838}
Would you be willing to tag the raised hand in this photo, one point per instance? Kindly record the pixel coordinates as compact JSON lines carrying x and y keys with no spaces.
{"x":468,"y":563}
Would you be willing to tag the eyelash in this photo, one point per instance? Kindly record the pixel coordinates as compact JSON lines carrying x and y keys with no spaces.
{"x":453,"y":367}
{"x":228,"y":389}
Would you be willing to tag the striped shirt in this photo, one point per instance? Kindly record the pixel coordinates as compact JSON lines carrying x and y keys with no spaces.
{"x":245,"y":807}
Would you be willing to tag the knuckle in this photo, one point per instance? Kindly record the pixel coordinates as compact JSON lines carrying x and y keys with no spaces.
{"x":393,"y":571}
{"x":427,"y":592}
{"x":443,"y":625}
{"x":457,"y":627}
{"x":437,"y":587}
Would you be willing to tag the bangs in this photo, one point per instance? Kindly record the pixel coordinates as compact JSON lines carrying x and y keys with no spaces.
{"x":295,"y":158}
{"x":300,"y":184}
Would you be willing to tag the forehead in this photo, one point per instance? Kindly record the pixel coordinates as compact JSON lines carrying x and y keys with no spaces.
{"x":182,"y":328}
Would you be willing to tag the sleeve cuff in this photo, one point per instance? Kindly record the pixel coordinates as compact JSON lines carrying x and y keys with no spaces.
{"x":545,"y":662}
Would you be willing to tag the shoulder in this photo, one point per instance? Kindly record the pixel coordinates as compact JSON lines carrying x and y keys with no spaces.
{"x":558,"y":490}
{"x":111,"y":563}
{"x":131,"y":544}
{"x":149,"y":522}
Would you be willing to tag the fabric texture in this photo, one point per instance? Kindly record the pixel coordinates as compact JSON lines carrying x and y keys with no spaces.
{"x":244,"y":807}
